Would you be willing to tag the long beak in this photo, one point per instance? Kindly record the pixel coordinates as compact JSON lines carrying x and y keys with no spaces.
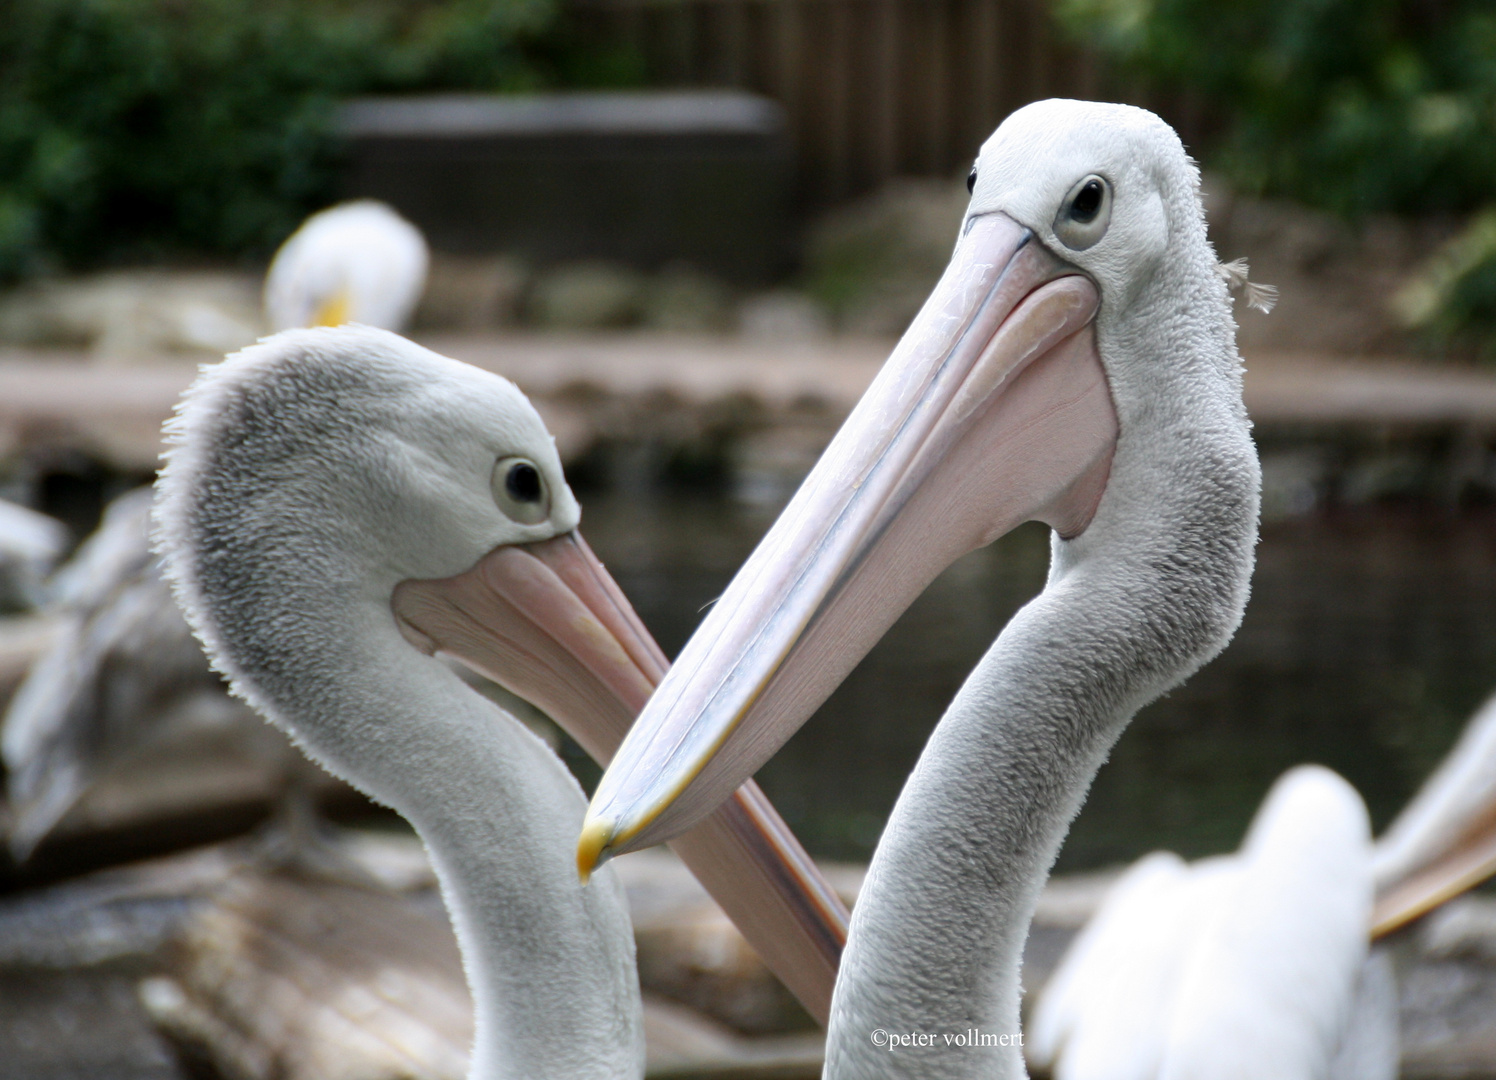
{"x":1469,"y":860}
{"x":993,"y":410}
{"x":548,"y":623}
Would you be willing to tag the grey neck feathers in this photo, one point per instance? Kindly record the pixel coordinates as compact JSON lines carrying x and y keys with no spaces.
{"x":1154,"y":588}
{"x":289,"y":588}
{"x":550,"y":962}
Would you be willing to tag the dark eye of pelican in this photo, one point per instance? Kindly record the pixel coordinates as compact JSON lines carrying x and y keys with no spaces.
{"x":519,"y":490}
{"x":523,"y":482}
{"x":1085,"y":213}
{"x":971,"y":180}
{"x":1087,"y":203}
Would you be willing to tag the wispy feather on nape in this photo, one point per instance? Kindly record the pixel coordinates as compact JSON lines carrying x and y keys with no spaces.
{"x":1261,"y":297}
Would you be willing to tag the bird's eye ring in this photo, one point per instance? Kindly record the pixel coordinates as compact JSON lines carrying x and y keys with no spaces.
{"x":519,"y":489}
{"x":1085,"y":213}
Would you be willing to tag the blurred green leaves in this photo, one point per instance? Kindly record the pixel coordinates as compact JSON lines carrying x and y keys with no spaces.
{"x":1356,"y":106}
{"x":136,"y":128}
{"x":1453,"y":295}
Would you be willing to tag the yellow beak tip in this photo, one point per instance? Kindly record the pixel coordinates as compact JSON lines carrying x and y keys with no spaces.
{"x":334,"y":310}
{"x":592,"y":846}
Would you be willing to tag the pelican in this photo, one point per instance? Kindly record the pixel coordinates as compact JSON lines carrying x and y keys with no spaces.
{"x":355,"y":262}
{"x":340,"y":505}
{"x":121,"y":672}
{"x":1171,"y":943}
{"x":30,"y":542}
{"x":1077,"y":365}
{"x":1259,"y":958}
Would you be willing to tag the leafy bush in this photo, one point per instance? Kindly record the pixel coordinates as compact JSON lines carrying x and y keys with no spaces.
{"x":1352,"y":105}
{"x":134,"y":128}
{"x":1357,"y":106}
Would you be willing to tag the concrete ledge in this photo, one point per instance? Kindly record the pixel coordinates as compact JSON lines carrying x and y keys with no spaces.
{"x":631,"y":386}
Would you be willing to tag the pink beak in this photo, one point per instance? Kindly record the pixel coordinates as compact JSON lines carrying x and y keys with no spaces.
{"x":547,"y":622}
{"x":993,"y":410}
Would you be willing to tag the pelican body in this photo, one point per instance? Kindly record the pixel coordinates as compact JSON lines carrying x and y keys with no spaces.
{"x":1239,"y":965}
{"x":1077,"y":365}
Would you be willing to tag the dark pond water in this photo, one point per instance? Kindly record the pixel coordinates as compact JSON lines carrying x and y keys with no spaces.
{"x":1370,"y":638}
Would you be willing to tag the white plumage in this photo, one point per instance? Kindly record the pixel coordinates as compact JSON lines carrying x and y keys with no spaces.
{"x":30,"y":543}
{"x":1129,"y":957}
{"x":1126,"y":971}
{"x":357,"y":262}
{"x":310,"y":475}
{"x":122,"y":672}
{"x":1237,"y":966}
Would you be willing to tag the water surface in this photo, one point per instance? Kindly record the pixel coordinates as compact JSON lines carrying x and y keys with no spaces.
{"x":1369,"y":639}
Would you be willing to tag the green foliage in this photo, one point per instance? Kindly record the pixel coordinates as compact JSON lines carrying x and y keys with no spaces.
{"x":134,"y":128}
{"x":1452,"y":297}
{"x":1354,"y":105}
{"x":1357,"y":106}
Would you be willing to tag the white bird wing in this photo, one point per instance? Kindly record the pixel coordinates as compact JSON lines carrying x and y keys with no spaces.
{"x":29,"y":544}
{"x":122,"y":656}
{"x":1269,"y":988}
{"x":1126,"y":980}
{"x":1108,"y":943}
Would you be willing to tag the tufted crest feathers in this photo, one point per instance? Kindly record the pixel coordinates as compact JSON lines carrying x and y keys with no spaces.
{"x":1261,"y":297}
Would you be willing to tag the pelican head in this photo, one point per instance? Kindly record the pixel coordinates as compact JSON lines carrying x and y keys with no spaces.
{"x":1076,"y":365}
{"x":341,"y":505}
{"x":322,"y":469}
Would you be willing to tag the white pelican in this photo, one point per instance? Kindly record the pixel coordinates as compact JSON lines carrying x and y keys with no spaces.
{"x":1253,"y":958}
{"x":1076,"y":365}
{"x":1171,"y":941}
{"x":357,"y":262}
{"x":318,"y":474}
{"x":121,"y":671}
{"x":30,"y":542}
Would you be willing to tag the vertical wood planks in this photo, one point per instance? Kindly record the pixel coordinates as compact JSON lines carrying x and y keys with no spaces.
{"x":872,"y":88}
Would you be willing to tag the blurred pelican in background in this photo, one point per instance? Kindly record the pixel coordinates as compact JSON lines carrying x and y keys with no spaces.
{"x":1178,"y":952}
{"x":1254,"y":963}
{"x":122,"y":673}
{"x":357,"y":262}
{"x":30,"y":543}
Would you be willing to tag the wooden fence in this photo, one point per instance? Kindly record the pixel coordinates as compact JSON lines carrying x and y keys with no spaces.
{"x":872,"y":88}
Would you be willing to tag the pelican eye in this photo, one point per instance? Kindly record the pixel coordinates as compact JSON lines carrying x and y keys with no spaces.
{"x":1085,"y":213}
{"x":519,"y":490}
{"x":971,"y":180}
